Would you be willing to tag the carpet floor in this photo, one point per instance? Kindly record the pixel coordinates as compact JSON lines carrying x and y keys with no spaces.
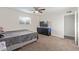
{"x":50,"y":43}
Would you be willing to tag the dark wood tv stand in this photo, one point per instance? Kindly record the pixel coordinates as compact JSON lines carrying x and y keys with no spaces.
{"x":44,"y":30}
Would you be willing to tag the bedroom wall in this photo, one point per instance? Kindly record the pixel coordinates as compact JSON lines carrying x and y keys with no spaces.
{"x":58,"y":25}
{"x":9,"y":20}
{"x":56,"y":22}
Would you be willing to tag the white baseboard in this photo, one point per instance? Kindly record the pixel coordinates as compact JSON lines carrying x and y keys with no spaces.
{"x":60,"y":36}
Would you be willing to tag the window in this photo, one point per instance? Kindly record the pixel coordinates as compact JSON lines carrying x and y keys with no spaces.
{"x":25,"y":20}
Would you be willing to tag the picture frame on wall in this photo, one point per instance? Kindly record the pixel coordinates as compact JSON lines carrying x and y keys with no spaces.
{"x":24,"y":20}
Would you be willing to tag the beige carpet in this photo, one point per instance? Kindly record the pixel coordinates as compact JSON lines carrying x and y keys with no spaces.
{"x":50,"y":43}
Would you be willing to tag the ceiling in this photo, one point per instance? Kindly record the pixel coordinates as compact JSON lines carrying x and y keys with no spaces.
{"x":48,"y":9}
{"x":60,"y":9}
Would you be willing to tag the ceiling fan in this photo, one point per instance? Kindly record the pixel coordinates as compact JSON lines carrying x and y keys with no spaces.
{"x":38,"y":10}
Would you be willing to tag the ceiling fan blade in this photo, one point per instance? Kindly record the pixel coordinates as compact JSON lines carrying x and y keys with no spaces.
{"x":36,"y":8}
{"x":39,"y":9}
{"x":42,"y":9}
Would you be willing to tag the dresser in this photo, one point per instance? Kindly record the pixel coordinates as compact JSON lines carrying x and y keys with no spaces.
{"x":44,"y":30}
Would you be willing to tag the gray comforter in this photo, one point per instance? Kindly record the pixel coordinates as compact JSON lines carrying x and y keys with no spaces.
{"x":14,"y":37}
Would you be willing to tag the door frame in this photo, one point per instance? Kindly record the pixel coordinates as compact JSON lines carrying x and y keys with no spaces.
{"x":76,"y":26}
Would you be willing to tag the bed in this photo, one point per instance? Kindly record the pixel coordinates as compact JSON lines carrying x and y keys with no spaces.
{"x":16,"y":39}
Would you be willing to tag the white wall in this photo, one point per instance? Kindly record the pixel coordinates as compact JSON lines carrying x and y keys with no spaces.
{"x":56,"y":22}
{"x":9,"y":20}
{"x":69,"y":25}
{"x":57,"y":25}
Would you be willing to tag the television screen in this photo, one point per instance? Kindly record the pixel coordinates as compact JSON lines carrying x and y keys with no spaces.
{"x":43,"y":24}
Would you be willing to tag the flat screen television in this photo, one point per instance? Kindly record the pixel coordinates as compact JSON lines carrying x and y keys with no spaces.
{"x":43,"y":23}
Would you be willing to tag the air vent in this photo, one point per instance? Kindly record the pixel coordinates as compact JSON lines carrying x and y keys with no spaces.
{"x":69,"y":12}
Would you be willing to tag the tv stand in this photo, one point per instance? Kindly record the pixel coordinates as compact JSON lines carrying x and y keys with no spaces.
{"x":44,"y":30}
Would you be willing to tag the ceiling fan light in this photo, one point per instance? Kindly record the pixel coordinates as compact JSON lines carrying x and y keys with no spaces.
{"x":36,"y":12}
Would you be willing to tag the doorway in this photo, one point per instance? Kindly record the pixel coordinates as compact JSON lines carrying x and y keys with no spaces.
{"x":69,"y":26}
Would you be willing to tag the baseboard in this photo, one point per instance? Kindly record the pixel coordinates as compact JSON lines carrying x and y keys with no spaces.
{"x":57,"y":35}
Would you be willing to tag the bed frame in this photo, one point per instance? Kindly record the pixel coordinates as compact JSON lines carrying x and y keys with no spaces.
{"x":17,"y":39}
{"x":19,"y":45}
